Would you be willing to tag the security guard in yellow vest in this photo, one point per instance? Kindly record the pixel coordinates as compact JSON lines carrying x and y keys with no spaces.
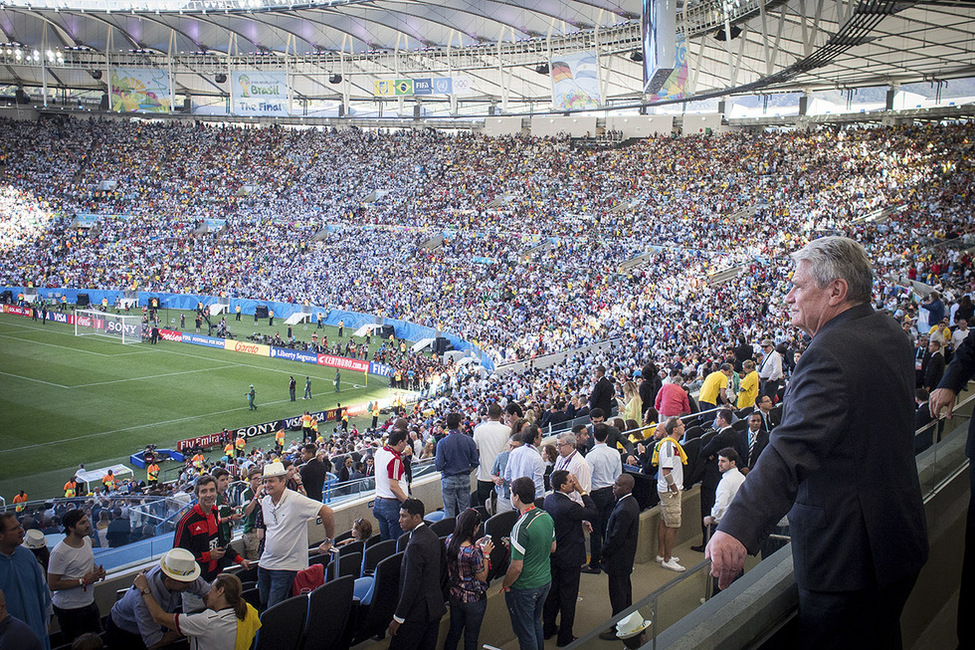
{"x":152,"y":474}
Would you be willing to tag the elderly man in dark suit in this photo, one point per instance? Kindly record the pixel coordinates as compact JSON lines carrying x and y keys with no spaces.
{"x":569,"y":555}
{"x":416,"y":623}
{"x":956,"y":377}
{"x":619,"y":548}
{"x":841,"y":463}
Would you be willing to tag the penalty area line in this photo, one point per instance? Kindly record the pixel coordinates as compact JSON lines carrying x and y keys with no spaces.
{"x":133,"y":428}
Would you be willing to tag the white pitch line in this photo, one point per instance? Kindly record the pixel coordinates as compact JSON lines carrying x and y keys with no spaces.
{"x":168,"y":374}
{"x":54,"y":345}
{"x":132,"y":428}
{"x":40,"y":381}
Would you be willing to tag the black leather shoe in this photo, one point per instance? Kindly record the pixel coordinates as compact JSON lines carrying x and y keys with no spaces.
{"x":548,"y":634}
{"x":698,"y":549}
{"x":562,"y":644}
{"x":608,"y":635}
{"x":590,"y":569}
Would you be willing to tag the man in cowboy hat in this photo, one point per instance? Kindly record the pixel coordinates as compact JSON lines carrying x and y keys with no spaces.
{"x":130,"y":624}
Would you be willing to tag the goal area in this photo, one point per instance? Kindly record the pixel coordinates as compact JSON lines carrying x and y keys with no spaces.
{"x":125,"y":328}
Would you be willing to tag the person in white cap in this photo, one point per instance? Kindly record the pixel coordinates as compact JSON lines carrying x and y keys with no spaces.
{"x":286,"y":515}
{"x":632,"y":630}
{"x":131,"y":624}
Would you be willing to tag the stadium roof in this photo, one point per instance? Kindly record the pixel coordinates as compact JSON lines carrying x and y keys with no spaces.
{"x":498,"y":44}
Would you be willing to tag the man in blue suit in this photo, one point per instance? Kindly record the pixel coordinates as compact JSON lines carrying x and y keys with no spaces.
{"x":841,"y":463}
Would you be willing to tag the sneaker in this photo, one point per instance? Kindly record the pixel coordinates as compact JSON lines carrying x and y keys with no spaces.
{"x":660,"y":559}
{"x":672,"y":565}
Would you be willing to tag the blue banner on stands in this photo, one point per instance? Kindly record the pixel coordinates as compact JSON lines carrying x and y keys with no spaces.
{"x":351,"y":320}
{"x":294,"y":355}
{"x":199,"y":339}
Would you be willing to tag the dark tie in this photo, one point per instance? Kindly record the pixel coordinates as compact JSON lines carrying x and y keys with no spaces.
{"x":752,"y":439}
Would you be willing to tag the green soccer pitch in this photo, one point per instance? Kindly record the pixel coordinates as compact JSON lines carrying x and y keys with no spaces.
{"x":66,"y":400}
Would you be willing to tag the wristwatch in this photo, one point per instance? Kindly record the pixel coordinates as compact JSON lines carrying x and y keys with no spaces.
{"x":145,"y":592}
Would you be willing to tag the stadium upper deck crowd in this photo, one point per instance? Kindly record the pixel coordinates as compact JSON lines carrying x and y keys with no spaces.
{"x":695,"y":204}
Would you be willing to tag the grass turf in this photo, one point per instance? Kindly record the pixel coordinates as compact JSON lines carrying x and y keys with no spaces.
{"x":66,"y":400}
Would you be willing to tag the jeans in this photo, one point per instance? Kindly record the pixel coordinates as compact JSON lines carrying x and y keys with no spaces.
{"x":456,"y":494}
{"x":274,"y":585}
{"x":525,"y":608}
{"x":386,"y":512}
{"x":465,"y":618}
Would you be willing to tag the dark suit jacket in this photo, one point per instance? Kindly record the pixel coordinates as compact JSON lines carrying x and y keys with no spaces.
{"x":843,"y":460}
{"x":934,"y":371}
{"x":769,"y":422}
{"x":421,"y":598}
{"x":727,"y":437}
{"x":602,"y":397}
{"x":570,"y":541}
{"x":742,"y":447}
{"x":956,"y":376}
{"x":619,"y":547}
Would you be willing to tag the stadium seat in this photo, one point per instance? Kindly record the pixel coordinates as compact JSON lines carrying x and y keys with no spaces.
{"x":401,"y":543}
{"x":351,"y":547}
{"x":374,"y":554}
{"x":282,"y":625}
{"x":252,"y":596}
{"x":349,"y":564}
{"x":436,"y":515}
{"x":375,"y":539}
{"x":321,"y":558}
{"x":444,"y":526}
{"x":498,"y":527}
{"x":372,"y":619}
{"x":329,"y":607}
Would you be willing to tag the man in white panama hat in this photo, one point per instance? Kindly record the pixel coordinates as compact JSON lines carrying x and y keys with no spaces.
{"x":286,"y":515}
{"x":130,"y":624}
{"x":631,"y":630}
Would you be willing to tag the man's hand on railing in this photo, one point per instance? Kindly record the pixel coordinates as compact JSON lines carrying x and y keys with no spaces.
{"x":727,"y":557}
{"x":942,"y":398}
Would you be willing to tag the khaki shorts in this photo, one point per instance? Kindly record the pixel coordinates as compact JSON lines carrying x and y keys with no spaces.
{"x":670,"y":508}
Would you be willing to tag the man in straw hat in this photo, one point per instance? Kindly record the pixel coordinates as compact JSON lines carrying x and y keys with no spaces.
{"x":131,"y":625}
{"x":632,"y":630}
{"x":286,"y":515}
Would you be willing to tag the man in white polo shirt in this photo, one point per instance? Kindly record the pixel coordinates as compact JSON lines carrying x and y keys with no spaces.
{"x":286,"y":515}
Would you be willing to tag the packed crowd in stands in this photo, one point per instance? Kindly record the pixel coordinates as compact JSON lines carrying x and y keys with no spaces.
{"x":535,"y":233}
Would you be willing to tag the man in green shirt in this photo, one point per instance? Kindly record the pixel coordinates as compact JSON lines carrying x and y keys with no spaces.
{"x":529,"y":576}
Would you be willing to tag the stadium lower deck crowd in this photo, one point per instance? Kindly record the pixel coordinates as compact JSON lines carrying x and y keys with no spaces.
{"x":695,"y":204}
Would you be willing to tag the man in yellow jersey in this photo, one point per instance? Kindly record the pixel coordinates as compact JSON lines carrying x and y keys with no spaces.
{"x":714,"y":391}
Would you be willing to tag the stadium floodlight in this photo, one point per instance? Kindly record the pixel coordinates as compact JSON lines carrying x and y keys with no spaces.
{"x":126,"y":328}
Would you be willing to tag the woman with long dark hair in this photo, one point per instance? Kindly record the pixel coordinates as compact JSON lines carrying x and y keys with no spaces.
{"x":468,"y":565}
